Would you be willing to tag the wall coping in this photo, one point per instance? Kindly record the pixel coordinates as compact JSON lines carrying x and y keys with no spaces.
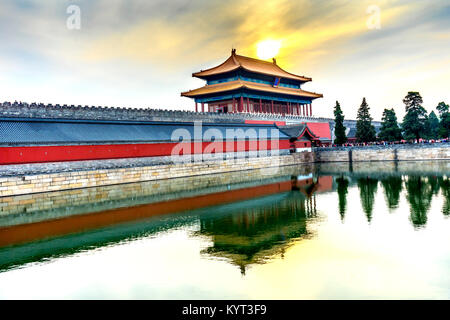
{"x":384,"y":147}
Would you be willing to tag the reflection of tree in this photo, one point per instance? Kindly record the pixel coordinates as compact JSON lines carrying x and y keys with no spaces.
{"x":392,"y":188}
{"x":342,"y":190}
{"x":434,"y":184}
{"x":367,"y":188}
{"x":252,"y":235}
{"x":444,"y":183}
{"x":420,"y":193}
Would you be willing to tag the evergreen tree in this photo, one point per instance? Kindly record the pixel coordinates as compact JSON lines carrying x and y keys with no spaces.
{"x":444,"y":114}
{"x":339,"y":128}
{"x":365,"y":131}
{"x":390,"y":131}
{"x":414,"y":122}
{"x":432,"y":126}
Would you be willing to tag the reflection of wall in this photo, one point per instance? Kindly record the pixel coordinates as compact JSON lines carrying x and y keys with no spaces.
{"x":381,"y":153}
{"x":40,"y":206}
{"x":385,"y":168}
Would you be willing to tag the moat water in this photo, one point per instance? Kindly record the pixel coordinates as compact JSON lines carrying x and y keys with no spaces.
{"x":369,"y":231}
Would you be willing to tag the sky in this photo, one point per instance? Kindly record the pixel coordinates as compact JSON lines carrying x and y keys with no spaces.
{"x":141,"y":53}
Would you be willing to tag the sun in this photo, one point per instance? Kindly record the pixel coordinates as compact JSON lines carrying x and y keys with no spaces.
{"x":268,"y":49}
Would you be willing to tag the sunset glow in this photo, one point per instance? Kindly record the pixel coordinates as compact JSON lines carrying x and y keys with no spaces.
{"x":268,"y":49}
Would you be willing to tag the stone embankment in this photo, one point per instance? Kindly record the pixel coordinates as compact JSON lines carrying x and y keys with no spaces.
{"x":67,"y":180}
{"x":407,"y":152}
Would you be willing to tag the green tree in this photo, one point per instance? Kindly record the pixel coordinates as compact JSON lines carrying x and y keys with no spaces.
{"x":390,"y":131}
{"x":414,"y":122}
{"x":365,"y":131}
{"x":432,"y":126}
{"x":339,"y":128}
{"x":444,"y":114}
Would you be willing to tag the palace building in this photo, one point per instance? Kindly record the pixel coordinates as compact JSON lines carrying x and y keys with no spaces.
{"x":246,"y":85}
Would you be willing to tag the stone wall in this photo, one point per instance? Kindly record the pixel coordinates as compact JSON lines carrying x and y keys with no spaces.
{"x":23,"y":208}
{"x":39,"y":110}
{"x":408,"y":152}
{"x":44,"y":182}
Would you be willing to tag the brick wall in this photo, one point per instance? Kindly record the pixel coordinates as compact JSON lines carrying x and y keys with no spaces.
{"x":35,"y":183}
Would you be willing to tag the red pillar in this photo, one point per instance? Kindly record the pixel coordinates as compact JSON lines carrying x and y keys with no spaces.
{"x":298,"y":109}
{"x":196,"y":107}
{"x":310,"y":110}
{"x":203,"y":107}
{"x":260,"y":105}
{"x":272,"y":106}
{"x":232,"y":107}
{"x":248,"y":104}
{"x":241,"y":104}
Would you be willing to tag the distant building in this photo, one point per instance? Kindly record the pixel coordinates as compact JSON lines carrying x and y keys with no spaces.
{"x":246,"y":85}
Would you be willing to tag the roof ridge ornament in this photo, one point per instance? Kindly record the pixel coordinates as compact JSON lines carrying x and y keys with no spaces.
{"x":274,"y":60}
{"x":233,"y":51}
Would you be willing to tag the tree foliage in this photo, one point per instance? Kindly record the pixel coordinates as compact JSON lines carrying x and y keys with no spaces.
{"x":390,"y":131}
{"x":444,"y":114}
{"x":432,"y":126}
{"x":339,"y":128}
{"x":415,"y":120}
{"x":365,"y":131}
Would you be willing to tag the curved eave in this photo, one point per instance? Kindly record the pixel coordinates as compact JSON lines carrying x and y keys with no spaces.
{"x":311,"y":134}
{"x":235,"y":62}
{"x":203,"y":76}
{"x":235,"y":85}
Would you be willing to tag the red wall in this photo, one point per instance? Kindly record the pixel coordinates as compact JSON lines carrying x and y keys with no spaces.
{"x":20,"y":155}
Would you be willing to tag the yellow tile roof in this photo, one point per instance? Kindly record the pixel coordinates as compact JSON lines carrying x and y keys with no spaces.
{"x":235,"y":62}
{"x":238,"y":84}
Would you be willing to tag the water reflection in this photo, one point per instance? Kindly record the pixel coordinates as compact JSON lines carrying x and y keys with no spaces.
{"x":444,"y":183}
{"x":342,"y":190}
{"x":420,"y":191}
{"x":255,"y":234}
{"x":245,"y":220}
{"x":392,"y":188}
{"x":367,"y":188}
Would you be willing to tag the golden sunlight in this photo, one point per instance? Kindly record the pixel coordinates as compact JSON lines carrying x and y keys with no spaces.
{"x":268,"y":49}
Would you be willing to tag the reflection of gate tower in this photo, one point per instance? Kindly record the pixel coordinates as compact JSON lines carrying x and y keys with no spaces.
{"x":254,"y":234}
{"x":246,"y":85}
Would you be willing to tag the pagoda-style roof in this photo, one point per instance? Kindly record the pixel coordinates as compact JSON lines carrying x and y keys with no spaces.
{"x":238,"y":84}
{"x":236,"y":61}
{"x":298,"y":131}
